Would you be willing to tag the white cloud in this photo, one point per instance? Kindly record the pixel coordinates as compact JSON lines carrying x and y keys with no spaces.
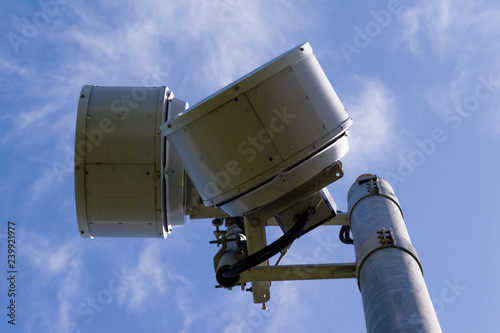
{"x":149,"y":279}
{"x":10,"y":67}
{"x":373,"y":135}
{"x":59,"y":271}
{"x":450,"y":27}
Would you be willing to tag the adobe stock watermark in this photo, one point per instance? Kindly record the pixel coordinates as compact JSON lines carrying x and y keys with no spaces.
{"x":30,"y":27}
{"x":255,"y":319}
{"x":448,"y":295}
{"x":89,"y":308}
{"x":365,"y":35}
{"x":454,"y":118}
{"x":94,"y":137}
{"x":248,"y":149}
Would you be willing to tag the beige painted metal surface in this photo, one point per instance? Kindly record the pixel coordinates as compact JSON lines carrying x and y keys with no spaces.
{"x":120,"y":157}
{"x":255,"y":139}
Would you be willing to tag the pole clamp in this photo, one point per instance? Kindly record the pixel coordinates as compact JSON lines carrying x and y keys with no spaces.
{"x":386,"y":237}
{"x":373,"y":188}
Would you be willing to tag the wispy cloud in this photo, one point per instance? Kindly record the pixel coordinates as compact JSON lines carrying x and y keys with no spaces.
{"x":149,"y":279}
{"x":283,"y":310}
{"x":10,"y":68}
{"x":447,"y":27}
{"x":60,"y":273}
{"x":373,"y":107}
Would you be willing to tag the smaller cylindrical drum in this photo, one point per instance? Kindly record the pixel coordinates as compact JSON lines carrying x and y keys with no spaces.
{"x":119,"y":186}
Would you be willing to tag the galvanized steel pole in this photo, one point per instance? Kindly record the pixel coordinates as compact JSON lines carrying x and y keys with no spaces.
{"x":395,"y":297}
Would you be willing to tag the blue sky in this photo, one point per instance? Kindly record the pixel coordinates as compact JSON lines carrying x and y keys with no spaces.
{"x":421,"y":80}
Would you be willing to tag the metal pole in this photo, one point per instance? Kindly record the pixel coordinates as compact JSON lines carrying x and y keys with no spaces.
{"x":395,"y":297}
